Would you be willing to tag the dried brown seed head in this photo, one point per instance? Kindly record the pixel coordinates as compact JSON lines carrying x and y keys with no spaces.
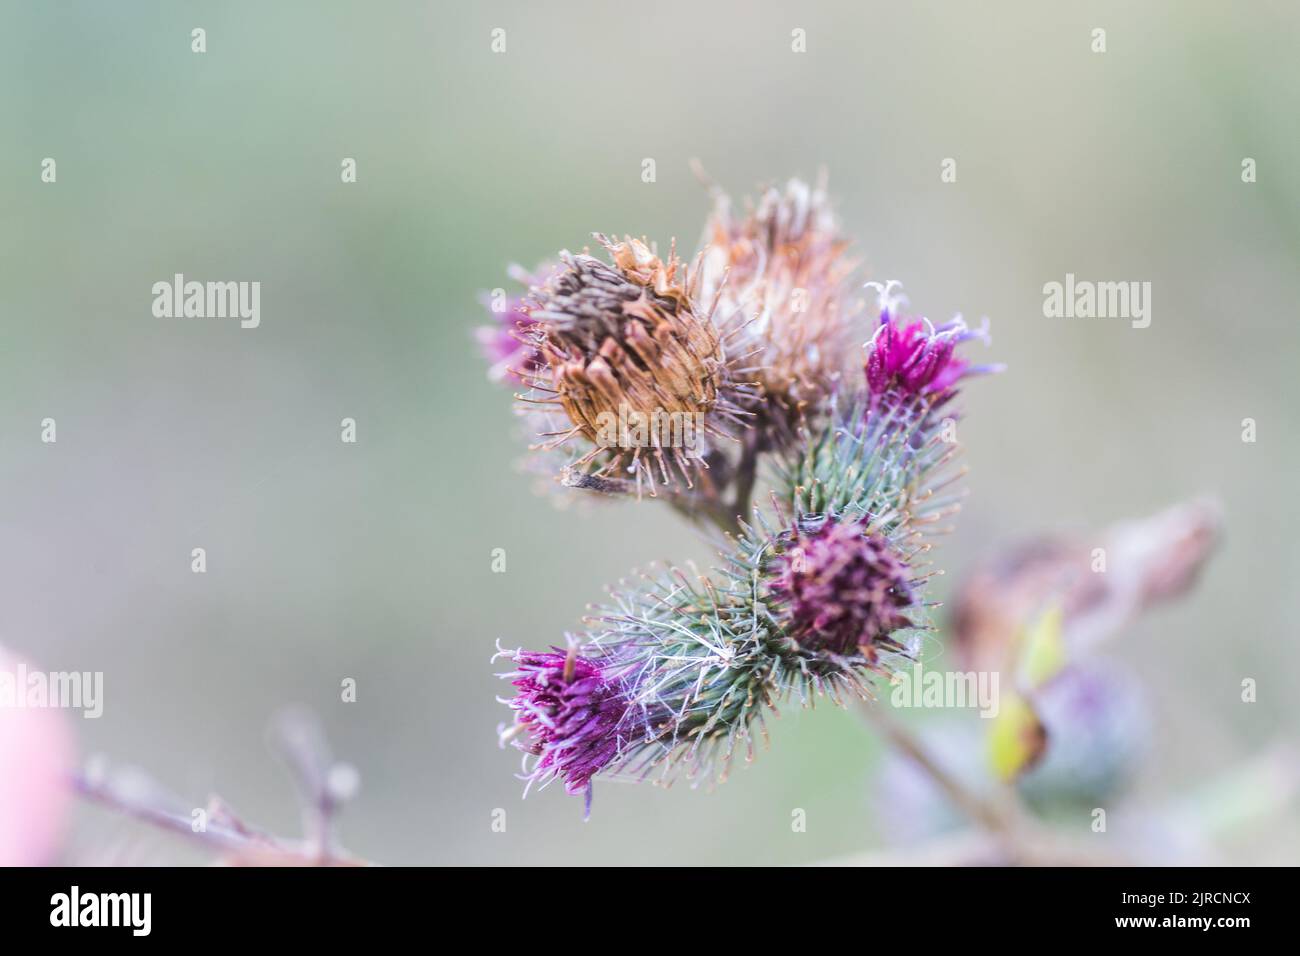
{"x":781,"y":273}
{"x":641,"y":375}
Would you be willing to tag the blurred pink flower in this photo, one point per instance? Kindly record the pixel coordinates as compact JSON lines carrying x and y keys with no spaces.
{"x":36,"y":754}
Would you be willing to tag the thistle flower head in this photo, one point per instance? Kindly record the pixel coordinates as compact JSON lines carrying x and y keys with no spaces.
{"x":707,"y":658}
{"x":570,"y":708}
{"x":917,"y":360}
{"x":779,"y":274}
{"x":679,"y":671}
{"x":625,"y":342}
{"x":843,"y":587}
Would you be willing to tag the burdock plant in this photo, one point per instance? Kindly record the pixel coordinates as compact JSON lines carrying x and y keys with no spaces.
{"x":769,"y":347}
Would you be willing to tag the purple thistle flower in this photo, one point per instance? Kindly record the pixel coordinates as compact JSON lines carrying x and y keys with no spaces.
{"x":510,"y":344}
{"x":571,"y":709}
{"x":843,"y":588}
{"x":917,"y":359}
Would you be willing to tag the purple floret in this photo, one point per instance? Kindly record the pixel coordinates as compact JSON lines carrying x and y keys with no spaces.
{"x":916,"y":359}
{"x":844,"y":589}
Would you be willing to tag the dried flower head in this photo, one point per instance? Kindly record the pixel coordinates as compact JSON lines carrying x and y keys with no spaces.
{"x":780,"y":274}
{"x":641,"y":375}
{"x":843,"y":587}
{"x":570,"y":709}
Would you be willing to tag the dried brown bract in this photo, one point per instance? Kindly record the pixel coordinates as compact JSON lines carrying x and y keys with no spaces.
{"x":781,"y":274}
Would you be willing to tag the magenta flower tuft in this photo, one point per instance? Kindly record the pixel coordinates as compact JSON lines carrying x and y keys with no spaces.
{"x":913,"y":360}
{"x":843,"y":588}
{"x":572,"y":710}
{"x":918,"y":359}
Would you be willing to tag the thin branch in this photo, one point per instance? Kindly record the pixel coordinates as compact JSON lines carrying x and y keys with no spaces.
{"x":323,"y":785}
{"x":979,"y":848}
{"x":988,"y":815}
{"x":1018,"y":838}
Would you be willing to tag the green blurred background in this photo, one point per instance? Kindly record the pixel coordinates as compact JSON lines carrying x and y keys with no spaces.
{"x":372,"y":561}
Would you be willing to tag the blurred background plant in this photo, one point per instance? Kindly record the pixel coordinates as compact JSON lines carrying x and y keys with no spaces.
{"x":1070,"y":740}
